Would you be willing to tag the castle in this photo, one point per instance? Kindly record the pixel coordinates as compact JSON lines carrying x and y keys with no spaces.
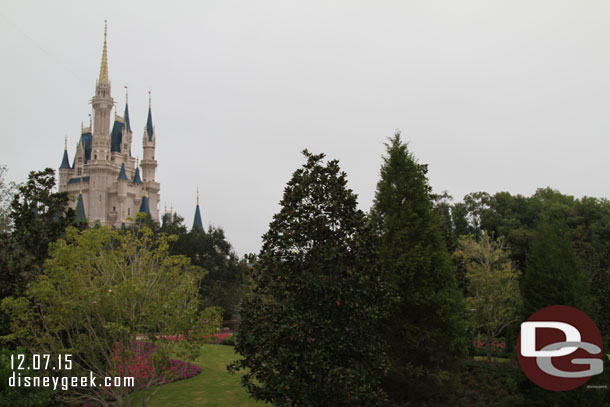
{"x":105,"y":180}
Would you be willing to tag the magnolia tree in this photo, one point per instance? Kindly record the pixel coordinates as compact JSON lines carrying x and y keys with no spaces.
{"x":309,"y":331}
{"x":117,"y":302}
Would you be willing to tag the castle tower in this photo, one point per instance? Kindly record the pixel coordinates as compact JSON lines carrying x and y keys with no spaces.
{"x":64,"y":169}
{"x":104,"y":181}
{"x":149,"y":164}
{"x":102,"y":104}
{"x":100,"y":170}
{"x":197,"y":223}
{"x":149,"y":140}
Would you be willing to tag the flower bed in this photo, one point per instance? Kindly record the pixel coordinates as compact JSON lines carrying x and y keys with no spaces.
{"x":140,"y":366}
{"x":498,"y":347}
{"x":216,"y":338}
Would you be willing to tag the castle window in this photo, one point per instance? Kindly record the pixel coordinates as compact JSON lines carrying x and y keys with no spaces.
{"x":95,"y":156}
{"x":80,"y":159}
{"x":114,"y":209}
{"x":80,"y":171}
{"x":128,"y":211}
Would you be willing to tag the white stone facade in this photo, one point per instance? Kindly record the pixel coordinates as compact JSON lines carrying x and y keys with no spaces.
{"x":101,"y":152}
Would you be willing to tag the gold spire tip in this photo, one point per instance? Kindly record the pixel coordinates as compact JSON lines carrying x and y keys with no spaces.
{"x":66,"y":142}
{"x":126,"y":94}
{"x":197,"y":196}
{"x":149,"y":99}
{"x":104,"y":65}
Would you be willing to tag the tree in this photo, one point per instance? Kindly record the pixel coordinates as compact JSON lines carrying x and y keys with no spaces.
{"x":553,"y":275}
{"x":427,"y":329}
{"x":99,"y":292}
{"x":39,"y":215}
{"x":493,"y":285}
{"x":224,"y":284}
{"x":7,"y":189}
{"x":309,"y":331}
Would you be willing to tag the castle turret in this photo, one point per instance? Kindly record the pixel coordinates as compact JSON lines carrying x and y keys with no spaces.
{"x":197,"y":223}
{"x":149,"y":164}
{"x":64,"y":169}
{"x":144,"y":207}
{"x":80,"y":209}
{"x":136,"y":177}
{"x":128,"y":134}
{"x":102,"y":104}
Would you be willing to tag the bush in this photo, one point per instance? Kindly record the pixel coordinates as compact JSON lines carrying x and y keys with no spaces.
{"x":19,"y":396}
{"x":228,"y":341}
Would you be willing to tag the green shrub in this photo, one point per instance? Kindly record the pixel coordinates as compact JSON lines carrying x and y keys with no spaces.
{"x":19,"y":396}
{"x":228,"y":341}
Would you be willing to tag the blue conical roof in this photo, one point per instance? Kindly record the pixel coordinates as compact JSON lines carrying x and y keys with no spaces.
{"x":122,"y":174}
{"x":144,"y":206}
{"x":127,"y":124}
{"x":136,"y":177}
{"x":80,"y":209}
{"x":197,"y":223}
{"x":116,"y":136}
{"x":65,"y":162}
{"x":149,"y":125}
{"x":167,"y":218}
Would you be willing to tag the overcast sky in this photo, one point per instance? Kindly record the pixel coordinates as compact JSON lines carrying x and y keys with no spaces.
{"x":493,"y":95}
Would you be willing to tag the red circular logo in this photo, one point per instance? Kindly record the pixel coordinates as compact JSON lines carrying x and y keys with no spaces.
{"x":560,"y":348}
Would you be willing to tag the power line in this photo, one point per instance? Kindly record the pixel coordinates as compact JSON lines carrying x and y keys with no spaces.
{"x":47,"y":53}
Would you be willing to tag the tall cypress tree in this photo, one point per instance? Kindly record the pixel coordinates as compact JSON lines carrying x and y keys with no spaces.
{"x":309,"y":333}
{"x":553,"y":275}
{"x":427,"y":330}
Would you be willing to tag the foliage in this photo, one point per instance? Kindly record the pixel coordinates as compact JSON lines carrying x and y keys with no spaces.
{"x":141,"y":366}
{"x":516,"y":217}
{"x":426,"y":331}
{"x":99,"y":291}
{"x":19,"y":396}
{"x":39,"y":215}
{"x":493,"y":286}
{"x":230,"y":341}
{"x":553,"y":275}
{"x":309,"y":330}
{"x":17,"y":270}
{"x":7,"y":190}
{"x":224,"y":284}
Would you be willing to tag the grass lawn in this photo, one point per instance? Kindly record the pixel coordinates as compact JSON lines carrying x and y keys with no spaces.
{"x":214,"y":387}
{"x":493,"y":359}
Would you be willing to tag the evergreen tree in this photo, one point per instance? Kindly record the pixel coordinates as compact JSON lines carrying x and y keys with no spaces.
{"x":553,"y":275}
{"x":39,"y":215}
{"x":309,"y":332}
{"x":427,"y":330}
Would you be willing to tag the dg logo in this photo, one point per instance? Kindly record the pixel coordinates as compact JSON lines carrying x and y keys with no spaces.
{"x":559,"y":348}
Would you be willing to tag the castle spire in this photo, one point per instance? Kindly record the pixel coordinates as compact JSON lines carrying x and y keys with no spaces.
{"x":104,"y":67}
{"x":126,"y":115}
{"x":149,"y":123}
{"x":197,"y":223}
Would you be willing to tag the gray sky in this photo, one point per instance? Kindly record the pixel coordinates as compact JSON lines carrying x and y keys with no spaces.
{"x":493,"y":95}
